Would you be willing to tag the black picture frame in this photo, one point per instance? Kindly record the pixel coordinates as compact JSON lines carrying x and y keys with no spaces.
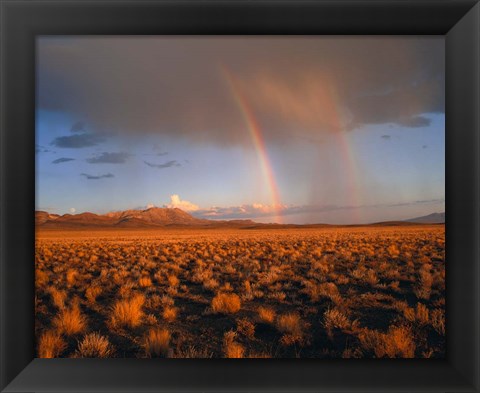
{"x":21,"y":21}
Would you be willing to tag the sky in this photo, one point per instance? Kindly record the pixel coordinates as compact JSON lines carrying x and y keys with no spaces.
{"x":318,"y":129}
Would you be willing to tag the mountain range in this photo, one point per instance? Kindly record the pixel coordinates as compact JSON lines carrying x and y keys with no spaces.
{"x":434,"y":218}
{"x":151,"y":217}
{"x":168,"y":217}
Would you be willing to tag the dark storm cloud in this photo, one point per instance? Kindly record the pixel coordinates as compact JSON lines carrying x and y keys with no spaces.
{"x":387,"y":137}
{"x":190,"y":87}
{"x":402,"y":106}
{"x":93,"y":177}
{"x":79,"y":126}
{"x":78,"y":141}
{"x":167,"y":164}
{"x":109,"y":158}
{"x":61,"y":160}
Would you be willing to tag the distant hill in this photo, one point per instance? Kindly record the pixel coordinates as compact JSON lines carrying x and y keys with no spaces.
{"x":42,"y":217}
{"x":434,"y":218}
{"x":152,"y":217}
{"x":155,"y":216}
{"x":174,"y":217}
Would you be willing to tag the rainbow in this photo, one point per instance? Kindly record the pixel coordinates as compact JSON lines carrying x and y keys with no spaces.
{"x":258,"y":142}
{"x":344,"y":146}
{"x":348,"y":157}
{"x":327,"y":99}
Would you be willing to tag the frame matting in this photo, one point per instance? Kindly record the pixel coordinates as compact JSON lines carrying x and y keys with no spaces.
{"x":22,"y":21}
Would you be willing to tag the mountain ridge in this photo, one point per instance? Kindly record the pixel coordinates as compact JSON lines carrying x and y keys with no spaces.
{"x":158,"y":217}
{"x":434,"y":218}
{"x":150,"y":217}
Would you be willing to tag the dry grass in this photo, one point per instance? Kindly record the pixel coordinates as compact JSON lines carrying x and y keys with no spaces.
{"x":145,"y":282}
{"x":227,"y":303}
{"x":289,"y":323}
{"x":92,"y":293}
{"x":94,"y":345}
{"x":51,"y":345}
{"x":128,"y":312}
{"x":58,"y":297}
{"x":301,"y":292}
{"x":231,"y":348}
{"x":170,"y":313}
{"x":246,"y":328}
{"x":70,"y":321}
{"x":266,"y":315}
{"x":156,"y":342}
{"x":398,"y":342}
{"x":336,"y":319}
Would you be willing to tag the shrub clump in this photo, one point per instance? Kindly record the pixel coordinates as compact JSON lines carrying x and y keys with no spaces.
{"x":156,"y":342}
{"x":128,"y":312}
{"x":94,"y":345}
{"x":226,"y":303}
{"x":50,"y":345}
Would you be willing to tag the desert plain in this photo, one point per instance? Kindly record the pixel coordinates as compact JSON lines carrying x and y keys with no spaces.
{"x":372,"y":291}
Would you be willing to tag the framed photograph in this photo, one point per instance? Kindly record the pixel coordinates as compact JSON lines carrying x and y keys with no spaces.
{"x":283,"y":194}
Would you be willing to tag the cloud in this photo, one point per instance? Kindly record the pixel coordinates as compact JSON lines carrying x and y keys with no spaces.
{"x":63,"y":159}
{"x":386,"y":137}
{"x":93,"y":177}
{"x":415,"y":122}
{"x":41,"y":149}
{"x":167,"y":164}
{"x":109,"y":158}
{"x":79,"y":126}
{"x":157,"y":148}
{"x":189,"y":88}
{"x":417,"y":202}
{"x":176,"y":202}
{"x":78,"y":141}
{"x":257,"y":210}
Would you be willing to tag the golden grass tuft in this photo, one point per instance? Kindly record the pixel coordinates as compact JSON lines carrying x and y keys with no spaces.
{"x":289,"y":323}
{"x":156,"y":342}
{"x":266,"y":314}
{"x":422,"y":314}
{"x":91,"y":293}
{"x":226,"y":303}
{"x":437,"y":319}
{"x":51,"y":345}
{"x":398,"y":342}
{"x":170,"y":313}
{"x":58,"y":297}
{"x":145,"y":282}
{"x":246,"y":328}
{"x":41,"y":278}
{"x":128,"y":312}
{"x":336,"y":319}
{"x":173,"y":281}
{"x":71,"y":276}
{"x":94,"y":345}
{"x":70,"y":321}
{"x":231,"y":348}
